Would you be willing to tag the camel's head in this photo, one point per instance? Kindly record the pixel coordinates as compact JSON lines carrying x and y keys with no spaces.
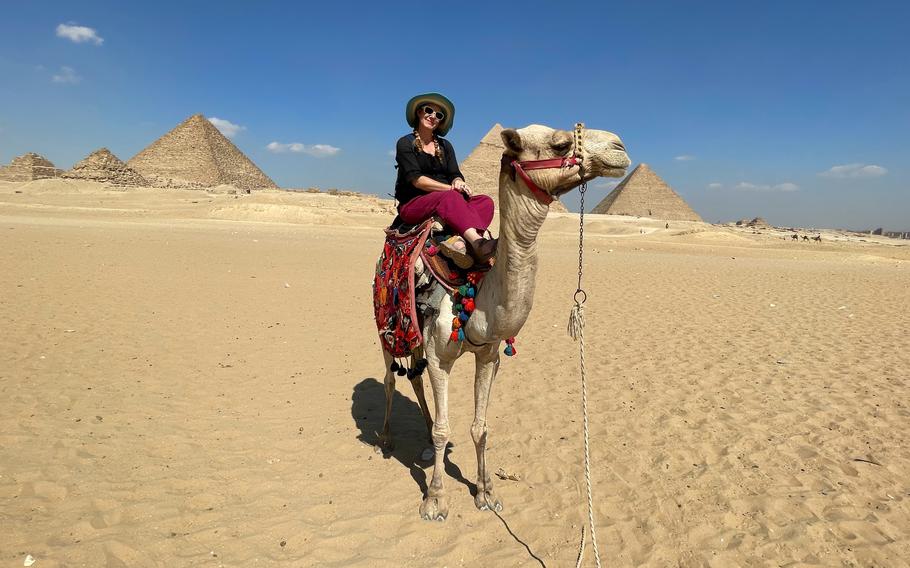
{"x":602,"y":154}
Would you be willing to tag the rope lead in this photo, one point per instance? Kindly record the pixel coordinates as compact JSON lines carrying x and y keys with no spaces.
{"x":576,"y":330}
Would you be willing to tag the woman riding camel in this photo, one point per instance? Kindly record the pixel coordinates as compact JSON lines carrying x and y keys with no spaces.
{"x":430,"y":184}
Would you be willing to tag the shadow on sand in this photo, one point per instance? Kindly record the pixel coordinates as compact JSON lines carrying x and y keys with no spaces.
{"x":410,"y":436}
{"x":408,"y":430}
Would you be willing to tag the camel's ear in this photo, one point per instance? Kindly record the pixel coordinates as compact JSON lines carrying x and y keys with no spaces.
{"x":512,"y":139}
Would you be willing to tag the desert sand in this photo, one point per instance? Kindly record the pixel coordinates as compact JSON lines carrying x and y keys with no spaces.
{"x":193,"y":378}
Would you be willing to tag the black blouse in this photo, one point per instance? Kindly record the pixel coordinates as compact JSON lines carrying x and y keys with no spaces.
{"x":413,"y":163}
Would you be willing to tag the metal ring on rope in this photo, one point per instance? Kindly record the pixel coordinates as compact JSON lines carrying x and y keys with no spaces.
{"x":584,"y":296}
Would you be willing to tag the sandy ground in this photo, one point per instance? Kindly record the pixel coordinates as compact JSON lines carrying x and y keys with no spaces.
{"x":194,"y":379}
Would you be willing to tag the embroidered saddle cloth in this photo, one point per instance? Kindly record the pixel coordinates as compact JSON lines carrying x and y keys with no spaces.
{"x":406,"y":271}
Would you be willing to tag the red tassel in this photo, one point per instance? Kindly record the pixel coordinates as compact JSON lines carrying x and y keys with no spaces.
{"x":454,"y":336}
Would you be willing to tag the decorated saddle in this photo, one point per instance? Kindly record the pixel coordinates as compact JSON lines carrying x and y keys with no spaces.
{"x":411,"y":277}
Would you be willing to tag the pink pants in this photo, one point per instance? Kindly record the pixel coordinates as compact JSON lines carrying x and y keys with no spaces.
{"x":454,"y":210}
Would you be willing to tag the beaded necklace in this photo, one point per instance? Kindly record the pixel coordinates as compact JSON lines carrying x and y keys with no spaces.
{"x":418,"y":144}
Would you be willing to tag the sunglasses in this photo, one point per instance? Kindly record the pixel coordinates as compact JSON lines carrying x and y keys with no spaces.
{"x":429,"y":111}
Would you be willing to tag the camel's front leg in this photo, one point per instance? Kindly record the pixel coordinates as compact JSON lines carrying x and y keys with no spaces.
{"x":436,"y":505}
{"x":487,"y":364}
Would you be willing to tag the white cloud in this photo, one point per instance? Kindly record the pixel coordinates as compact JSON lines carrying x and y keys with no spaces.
{"x":606,"y":184}
{"x":226,"y":127}
{"x":684,"y":158}
{"x":317,"y":150}
{"x":746,"y":186}
{"x":79,"y":34}
{"x":854,"y":171}
{"x":66,"y":76}
{"x":715,"y":185}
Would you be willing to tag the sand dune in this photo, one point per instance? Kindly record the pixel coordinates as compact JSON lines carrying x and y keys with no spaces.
{"x":194,"y":379}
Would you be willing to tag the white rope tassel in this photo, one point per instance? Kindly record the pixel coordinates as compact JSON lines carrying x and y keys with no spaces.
{"x":576,"y":331}
{"x":576,"y":322}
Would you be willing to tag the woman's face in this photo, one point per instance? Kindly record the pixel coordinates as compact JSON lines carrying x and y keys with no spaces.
{"x":429,"y":120}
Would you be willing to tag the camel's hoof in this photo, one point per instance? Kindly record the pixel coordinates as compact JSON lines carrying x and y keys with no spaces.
{"x":487,"y":501}
{"x":434,"y":509}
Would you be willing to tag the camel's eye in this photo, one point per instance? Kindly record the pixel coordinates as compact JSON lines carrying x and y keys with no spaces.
{"x":562,"y":147}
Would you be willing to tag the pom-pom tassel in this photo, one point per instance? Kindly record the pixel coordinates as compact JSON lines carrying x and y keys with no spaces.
{"x":510,"y":350}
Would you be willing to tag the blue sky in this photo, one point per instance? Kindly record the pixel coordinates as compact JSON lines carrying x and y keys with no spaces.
{"x":794,"y":111}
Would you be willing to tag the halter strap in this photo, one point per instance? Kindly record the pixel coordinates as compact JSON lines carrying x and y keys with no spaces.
{"x":520,"y":167}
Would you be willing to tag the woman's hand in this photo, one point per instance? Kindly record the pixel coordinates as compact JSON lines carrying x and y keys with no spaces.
{"x":460,"y":186}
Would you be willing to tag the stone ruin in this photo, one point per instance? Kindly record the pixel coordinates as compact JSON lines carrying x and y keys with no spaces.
{"x":29,"y":167}
{"x":103,"y":166}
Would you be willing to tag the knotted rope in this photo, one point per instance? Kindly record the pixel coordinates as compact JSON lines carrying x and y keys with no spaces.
{"x":576,"y":330}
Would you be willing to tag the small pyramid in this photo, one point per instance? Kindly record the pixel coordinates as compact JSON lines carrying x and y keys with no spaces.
{"x":103,"y":166}
{"x":481,"y":167}
{"x":28,"y":167}
{"x":196,"y":154}
{"x":644,"y":194}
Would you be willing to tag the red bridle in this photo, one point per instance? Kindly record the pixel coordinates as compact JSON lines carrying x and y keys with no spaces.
{"x":520,"y":167}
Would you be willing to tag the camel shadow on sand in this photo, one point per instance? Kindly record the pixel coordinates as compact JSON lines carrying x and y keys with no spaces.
{"x":410,"y":436}
{"x":409,"y":432}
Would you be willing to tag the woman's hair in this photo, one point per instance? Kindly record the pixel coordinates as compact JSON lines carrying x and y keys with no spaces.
{"x":418,"y":144}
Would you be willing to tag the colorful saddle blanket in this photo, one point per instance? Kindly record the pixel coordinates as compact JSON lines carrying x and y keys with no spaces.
{"x":393,"y":290}
{"x":396,"y":283}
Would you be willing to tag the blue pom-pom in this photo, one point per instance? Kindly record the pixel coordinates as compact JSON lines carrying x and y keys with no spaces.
{"x":470,"y":292}
{"x":461,"y":335}
{"x":463,"y":316}
{"x":509,"y":351}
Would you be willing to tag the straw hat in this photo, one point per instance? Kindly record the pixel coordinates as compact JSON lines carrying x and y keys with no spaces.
{"x":410,"y":110}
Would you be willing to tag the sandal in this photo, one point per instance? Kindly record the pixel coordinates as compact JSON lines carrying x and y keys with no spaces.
{"x":455,"y":248}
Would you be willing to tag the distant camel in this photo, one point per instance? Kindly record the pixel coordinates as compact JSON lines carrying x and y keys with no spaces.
{"x":817,"y":238}
{"x":805,"y":238}
{"x":794,"y":236}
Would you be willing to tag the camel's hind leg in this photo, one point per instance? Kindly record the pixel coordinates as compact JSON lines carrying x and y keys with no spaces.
{"x":385,"y":439}
{"x":417,"y":383}
{"x":487,"y":364}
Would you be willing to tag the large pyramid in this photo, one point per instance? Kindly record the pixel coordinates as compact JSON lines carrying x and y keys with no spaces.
{"x":29,"y":167}
{"x":103,"y":166}
{"x":196,"y":154}
{"x":644,"y":194}
{"x":481,"y":167}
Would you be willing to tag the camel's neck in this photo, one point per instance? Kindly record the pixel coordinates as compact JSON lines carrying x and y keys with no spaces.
{"x":507,"y":292}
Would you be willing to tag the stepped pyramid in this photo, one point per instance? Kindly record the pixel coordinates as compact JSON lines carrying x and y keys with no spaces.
{"x":644,"y":194}
{"x":29,"y":167}
{"x":481,"y":167}
{"x":196,"y":154}
{"x":103,"y":166}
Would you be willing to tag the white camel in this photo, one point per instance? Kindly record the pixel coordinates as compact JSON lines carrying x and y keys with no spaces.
{"x":556,"y":161}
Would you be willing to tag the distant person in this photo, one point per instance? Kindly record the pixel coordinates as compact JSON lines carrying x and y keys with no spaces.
{"x":429,"y":182}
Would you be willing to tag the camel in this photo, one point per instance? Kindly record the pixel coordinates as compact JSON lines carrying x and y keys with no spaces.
{"x":505,"y":296}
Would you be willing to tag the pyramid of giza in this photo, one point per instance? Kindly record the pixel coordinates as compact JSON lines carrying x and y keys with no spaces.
{"x":196,"y":154}
{"x":29,"y":167}
{"x":644,"y":194}
{"x":481,"y":167}
{"x":103,"y":166}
